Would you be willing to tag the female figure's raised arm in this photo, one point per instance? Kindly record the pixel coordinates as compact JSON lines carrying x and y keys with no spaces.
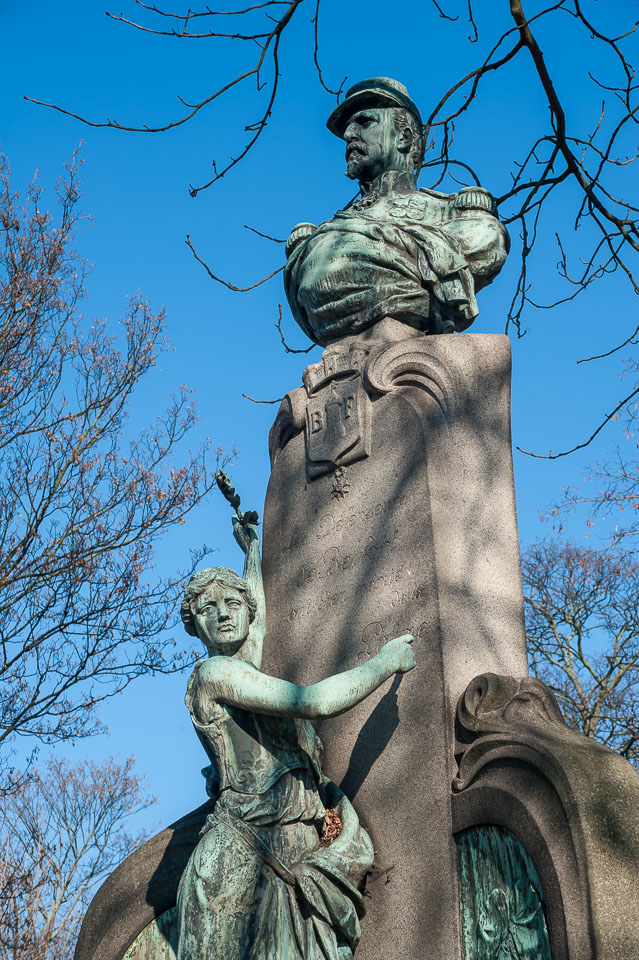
{"x":248,"y":538}
{"x":236,"y":682}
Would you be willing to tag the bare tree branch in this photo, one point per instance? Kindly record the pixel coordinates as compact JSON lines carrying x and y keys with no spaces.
{"x":225,"y":283}
{"x":253,"y":400}
{"x":315,"y":21}
{"x":444,"y":16}
{"x":264,"y":235}
{"x":288,"y":349}
{"x":268,"y":43}
{"x":580,"y":446}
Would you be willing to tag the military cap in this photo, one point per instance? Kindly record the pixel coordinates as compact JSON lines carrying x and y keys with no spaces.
{"x":378,"y":92}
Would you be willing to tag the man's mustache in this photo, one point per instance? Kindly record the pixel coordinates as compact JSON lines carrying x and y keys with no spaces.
{"x":355,"y":146}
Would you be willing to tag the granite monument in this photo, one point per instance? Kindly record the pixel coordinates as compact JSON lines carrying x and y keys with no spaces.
{"x":497,"y":831}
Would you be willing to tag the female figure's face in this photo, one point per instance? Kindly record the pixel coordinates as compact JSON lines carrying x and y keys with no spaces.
{"x":221,"y":619}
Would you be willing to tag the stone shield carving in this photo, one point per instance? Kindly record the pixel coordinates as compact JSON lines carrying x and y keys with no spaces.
{"x":336,"y":426}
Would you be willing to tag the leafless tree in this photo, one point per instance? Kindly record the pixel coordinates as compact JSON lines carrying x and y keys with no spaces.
{"x":582,"y":624}
{"x":581,"y":604}
{"x":609,"y":493}
{"x":81,"y":506}
{"x":63,"y":829}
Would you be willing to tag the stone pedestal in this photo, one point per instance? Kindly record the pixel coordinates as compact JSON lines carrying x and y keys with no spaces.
{"x":391,"y":509}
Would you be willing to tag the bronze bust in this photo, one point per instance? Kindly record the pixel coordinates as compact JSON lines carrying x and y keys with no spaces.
{"x":416,"y":255}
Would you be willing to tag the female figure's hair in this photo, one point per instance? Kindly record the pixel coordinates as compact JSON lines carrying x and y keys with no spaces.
{"x":204,"y":578}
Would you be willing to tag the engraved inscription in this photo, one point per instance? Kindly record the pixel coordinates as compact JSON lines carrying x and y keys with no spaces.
{"x":393,"y":601}
{"x":331,"y":562}
{"x":336,"y":523}
{"x":353,"y":545}
{"x":373,"y":638}
{"x":375,"y":635}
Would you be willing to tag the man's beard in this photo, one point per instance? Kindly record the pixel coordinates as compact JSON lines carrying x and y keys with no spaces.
{"x":356,"y":161}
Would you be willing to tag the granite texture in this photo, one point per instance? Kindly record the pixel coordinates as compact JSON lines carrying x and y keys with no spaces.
{"x":404,"y":522}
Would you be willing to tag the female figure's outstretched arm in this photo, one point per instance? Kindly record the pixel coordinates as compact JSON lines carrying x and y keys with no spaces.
{"x":238,"y":683}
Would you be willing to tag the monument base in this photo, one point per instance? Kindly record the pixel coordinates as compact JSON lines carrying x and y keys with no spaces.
{"x":390,"y":509}
{"x":574,"y":806}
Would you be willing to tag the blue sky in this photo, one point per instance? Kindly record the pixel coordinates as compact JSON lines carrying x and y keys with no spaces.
{"x":135,"y":189}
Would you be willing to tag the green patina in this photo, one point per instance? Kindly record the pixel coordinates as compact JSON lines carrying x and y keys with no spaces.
{"x":501,"y":907}
{"x":158,"y":940}
{"x":418,"y":256}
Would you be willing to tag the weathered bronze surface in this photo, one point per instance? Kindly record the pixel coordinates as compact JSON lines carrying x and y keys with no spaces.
{"x":416,"y":255}
{"x":501,"y":910}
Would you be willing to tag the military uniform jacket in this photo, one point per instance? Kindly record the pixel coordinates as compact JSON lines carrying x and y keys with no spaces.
{"x":418,"y":256}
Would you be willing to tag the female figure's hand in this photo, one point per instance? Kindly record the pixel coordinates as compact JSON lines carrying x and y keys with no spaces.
{"x":245,"y":534}
{"x":400,"y":653}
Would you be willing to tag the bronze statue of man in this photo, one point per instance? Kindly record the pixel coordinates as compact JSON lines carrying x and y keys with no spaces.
{"x":416,"y":255}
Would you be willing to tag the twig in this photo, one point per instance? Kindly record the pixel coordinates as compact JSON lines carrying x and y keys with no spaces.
{"x":452,"y":163}
{"x":253,"y":400}
{"x":226,"y":283}
{"x":284,"y":343}
{"x":580,"y":446}
{"x":208,"y":12}
{"x":445,"y":16}
{"x":265,"y":235}
{"x":609,"y":353}
{"x":472,"y":21}
{"x":315,"y":22}
{"x":261,"y":125}
{"x":182,"y":34}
